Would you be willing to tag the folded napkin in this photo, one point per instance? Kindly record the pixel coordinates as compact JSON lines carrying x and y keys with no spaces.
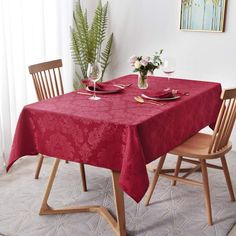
{"x":161,"y":94}
{"x":98,"y":86}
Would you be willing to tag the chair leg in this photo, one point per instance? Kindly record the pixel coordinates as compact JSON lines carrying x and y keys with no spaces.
{"x":83,"y":177}
{"x":177,"y":168}
{"x":40,"y":162}
{"x":227,"y":178}
{"x":206,"y":191}
{"x":155,"y":178}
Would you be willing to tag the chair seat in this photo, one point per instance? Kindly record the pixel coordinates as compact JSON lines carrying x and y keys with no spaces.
{"x":197,"y":147}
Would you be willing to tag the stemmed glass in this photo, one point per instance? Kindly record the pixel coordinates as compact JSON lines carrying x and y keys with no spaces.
{"x":94,"y":74}
{"x":168,"y":67}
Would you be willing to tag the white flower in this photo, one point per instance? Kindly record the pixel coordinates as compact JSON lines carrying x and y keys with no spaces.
{"x":137,"y":64}
{"x":132,"y":60}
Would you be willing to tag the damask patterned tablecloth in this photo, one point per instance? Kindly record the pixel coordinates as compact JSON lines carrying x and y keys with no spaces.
{"x":116,"y":132}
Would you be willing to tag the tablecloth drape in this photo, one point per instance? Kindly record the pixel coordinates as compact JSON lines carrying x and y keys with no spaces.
{"x":116,"y":132}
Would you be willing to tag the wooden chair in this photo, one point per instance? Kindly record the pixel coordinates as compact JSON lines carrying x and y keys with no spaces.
{"x":48,"y":83}
{"x":202,"y":147}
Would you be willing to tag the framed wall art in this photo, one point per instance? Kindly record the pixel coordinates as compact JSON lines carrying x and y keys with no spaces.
{"x":203,"y":15}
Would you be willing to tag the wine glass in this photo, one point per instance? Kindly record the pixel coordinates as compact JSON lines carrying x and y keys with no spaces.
{"x":94,"y":74}
{"x":168,"y":67}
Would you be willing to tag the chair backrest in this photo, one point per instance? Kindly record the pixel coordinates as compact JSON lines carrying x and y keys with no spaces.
{"x":225,"y":121}
{"x":47,"y":79}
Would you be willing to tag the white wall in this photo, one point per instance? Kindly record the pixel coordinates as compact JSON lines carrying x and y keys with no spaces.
{"x":142,"y":27}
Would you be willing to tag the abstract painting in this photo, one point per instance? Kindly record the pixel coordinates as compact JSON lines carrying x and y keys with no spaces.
{"x":203,"y":15}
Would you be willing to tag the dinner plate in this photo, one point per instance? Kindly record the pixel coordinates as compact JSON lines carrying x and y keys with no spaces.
{"x":108,"y":91}
{"x":160,"y":99}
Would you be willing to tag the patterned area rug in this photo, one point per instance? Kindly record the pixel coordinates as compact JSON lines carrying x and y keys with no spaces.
{"x":176,"y":211}
{"x":232,"y":231}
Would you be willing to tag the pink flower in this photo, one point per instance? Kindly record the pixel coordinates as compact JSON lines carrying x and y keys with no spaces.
{"x":144,"y":62}
{"x":146,"y":58}
{"x":132,"y":60}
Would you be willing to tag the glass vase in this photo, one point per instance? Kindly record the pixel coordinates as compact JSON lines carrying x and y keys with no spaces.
{"x":142,"y":80}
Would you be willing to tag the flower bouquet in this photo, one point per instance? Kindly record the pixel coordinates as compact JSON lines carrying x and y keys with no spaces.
{"x":143,"y":65}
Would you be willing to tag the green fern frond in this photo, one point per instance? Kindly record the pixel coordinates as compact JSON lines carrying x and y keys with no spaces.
{"x":104,"y":22}
{"x":86,"y":20}
{"x":80,"y":19}
{"x":105,"y":55}
{"x":94,"y":31}
{"x":98,"y":27}
{"x":86,"y":42}
{"x":77,"y":53}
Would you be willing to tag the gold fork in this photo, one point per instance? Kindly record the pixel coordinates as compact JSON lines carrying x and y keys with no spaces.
{"x":141,"y":100}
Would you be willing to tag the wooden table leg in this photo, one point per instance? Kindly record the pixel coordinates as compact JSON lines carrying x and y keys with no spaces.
{"x":119,"y":202}
{"x":117,"y":225}
{"x":83,"y":177}
{"x":44,"y":206}
{"x":39,"y":165}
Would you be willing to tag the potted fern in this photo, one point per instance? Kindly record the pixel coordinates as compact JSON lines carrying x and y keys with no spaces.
{"x":87,"y":41}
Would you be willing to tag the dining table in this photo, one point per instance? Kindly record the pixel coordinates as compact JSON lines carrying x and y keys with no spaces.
{"x":115,"y":132}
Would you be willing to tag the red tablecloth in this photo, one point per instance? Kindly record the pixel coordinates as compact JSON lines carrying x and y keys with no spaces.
{"x":116,"y":132}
